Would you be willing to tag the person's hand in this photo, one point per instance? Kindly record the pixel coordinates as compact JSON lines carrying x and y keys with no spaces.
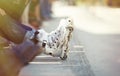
{"x":2,"y":12}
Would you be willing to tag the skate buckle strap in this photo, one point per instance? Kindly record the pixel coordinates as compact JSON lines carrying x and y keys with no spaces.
{"x":34,"y":39}
{"x":44,"y":43}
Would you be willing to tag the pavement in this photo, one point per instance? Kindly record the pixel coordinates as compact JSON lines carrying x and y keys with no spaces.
{"x":94,"y":48}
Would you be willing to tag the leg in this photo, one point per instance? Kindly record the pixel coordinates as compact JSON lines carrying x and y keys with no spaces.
{"x":44,"y":6}
{"x":10,"y":30}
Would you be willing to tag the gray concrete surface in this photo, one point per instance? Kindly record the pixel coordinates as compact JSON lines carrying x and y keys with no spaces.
{"x":102,"y":52}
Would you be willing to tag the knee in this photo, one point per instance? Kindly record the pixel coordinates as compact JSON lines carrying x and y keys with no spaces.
{"x":2,"y":12}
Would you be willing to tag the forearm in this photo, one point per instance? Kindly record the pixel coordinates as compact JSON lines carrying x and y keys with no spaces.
{"x":37,"y":12}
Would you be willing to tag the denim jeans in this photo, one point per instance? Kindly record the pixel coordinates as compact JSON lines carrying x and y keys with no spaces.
{"x":45,"y":8}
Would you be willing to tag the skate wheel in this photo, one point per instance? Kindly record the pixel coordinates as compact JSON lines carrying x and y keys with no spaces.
{"x":64,"y":57}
